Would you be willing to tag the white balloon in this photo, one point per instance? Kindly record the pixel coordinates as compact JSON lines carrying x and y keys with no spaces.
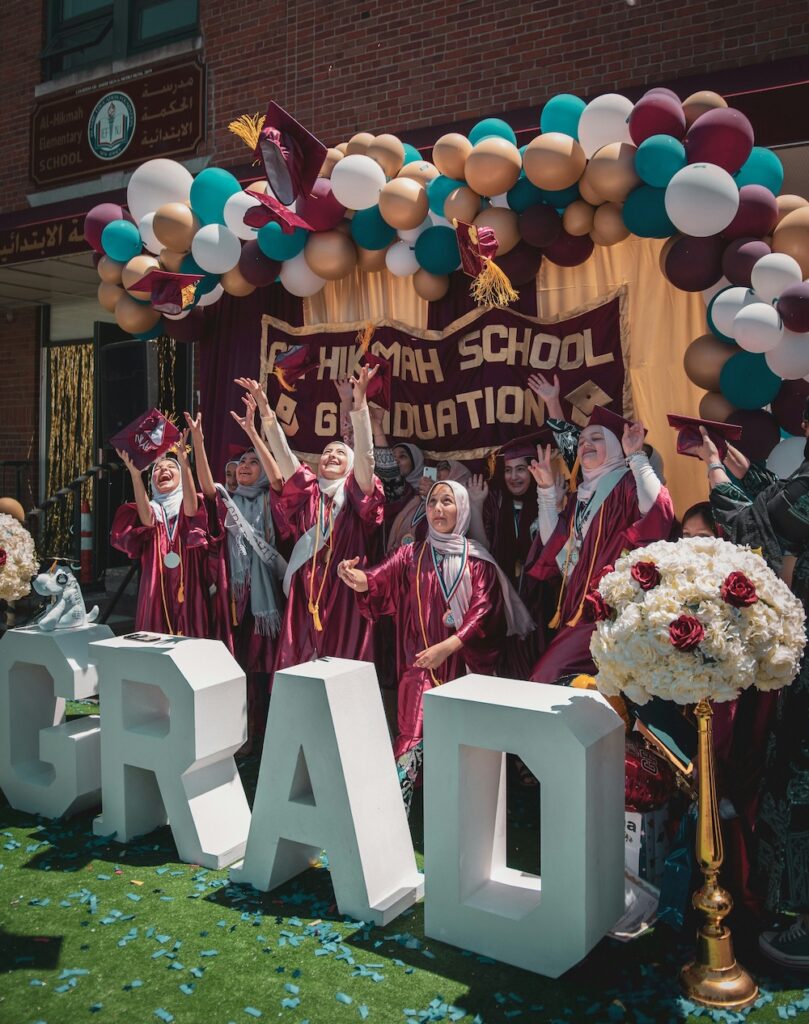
{"x":150,"y":239}
{"x":411,"y":235}
{"x":715,"y":289}
{"x":785,"y":458}
{"x":216,"y":249}
{"x":774,"y":272}
{"x":501,"y":201}
{"x":235,"y":209}
{"x":757,"y":327}
{"x":178,"y":316}
{"x":726,"y":305}
{"x":356,"y":182}
{"x":401,"y":260}
{"x":214,"y":295}
{"x":437,"y":221}
{"x":154,"y":183}
{"x":701,"y":199}
{"x":790,"y":360}
{"x":605,"y":119}
{"x":298,"y":278}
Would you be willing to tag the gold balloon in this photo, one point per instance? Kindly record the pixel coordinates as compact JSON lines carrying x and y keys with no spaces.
{"x":174,"y":226}
{"x":170,"y":260}
{"x":359,"y":143}
{"x":450,"y":153}
{"x":462,"y":204}
{"x":786,"y":204}
{"x":431,"y":287}
{"x":110,"y":270}
{"x":699,"y":103}
{"x":134,"y":317}
{"x":108,"y":295}
{"x":341,"y":147}
{"x":333,"y":157}
{"x":260,"y":187}
{"x":388,"y":152}
{"x":234,"y":283}
{"x":714,"y":406}
{"x":704,"y":359}
{"x":493,"y":166}
{"x":554,"y":161}
{"x":792,"y":237}
{"x":587,"y":192}
{"x":403,"y":203}
{"x":608,"y":225}
{"x":505,"y":225}
{"x":11,"y":507}
{"x":611,"y":171}
{"x":138,"y":267}
{"x":330,"y":254}
{"x":372,"y":261}
{"x":578,"y":218}
{"x":344,"y":227}
{"x":419,"y":170}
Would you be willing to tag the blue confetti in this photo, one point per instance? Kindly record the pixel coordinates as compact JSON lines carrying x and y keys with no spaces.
{"x":341,"y":997}
{"x":163,"y":1015}
{"x":253,"y":1012}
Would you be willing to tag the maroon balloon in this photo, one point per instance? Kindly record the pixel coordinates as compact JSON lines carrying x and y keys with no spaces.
{"x":520,"y":264}
{"x":540,"y":225}
{"x":757,"y":214}
{"x":569,"y":250}
{"x":760,"y":433}
{"x":320,"y":208}
{"x":656,"y":113}
{"x":722,"y":136}
{"x":257,"y":268}
{"x":190,"y":328}
{"x":664,"y":91}
{"x":793,"y":306}
{"x":740,"y":257}
{"x":98,"y":218}
{"x":694,"y":264}
{"x":789,"y":404}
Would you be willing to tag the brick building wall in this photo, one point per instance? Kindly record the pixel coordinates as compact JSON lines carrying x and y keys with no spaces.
{"x":19,"y":394}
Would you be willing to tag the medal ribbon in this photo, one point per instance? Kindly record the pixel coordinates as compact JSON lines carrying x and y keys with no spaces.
{"x":449,"y":591}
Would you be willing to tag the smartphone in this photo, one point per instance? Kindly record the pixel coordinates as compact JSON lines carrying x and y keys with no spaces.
{"x":431,"y":473}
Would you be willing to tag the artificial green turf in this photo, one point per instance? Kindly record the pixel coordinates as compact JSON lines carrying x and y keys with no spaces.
{"x":93,"y":930}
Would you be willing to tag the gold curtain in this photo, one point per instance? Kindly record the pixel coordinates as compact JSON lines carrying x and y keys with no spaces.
{"x":361,"y":296}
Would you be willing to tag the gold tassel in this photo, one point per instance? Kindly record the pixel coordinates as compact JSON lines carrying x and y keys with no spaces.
{"x":571,"y":483}
{"x":554,"y":623}
{"x":233,"y":618}
{"x":492,"y":287}
{"x":364,"y":338}
{"x":52,"y":569}
{"x":491,"y":462}
{"x":314,"y":611}
{"x":248,"y":128}
{"x":187,"y":295}
{"x":181,"y":594}
{"x":282,"y":380}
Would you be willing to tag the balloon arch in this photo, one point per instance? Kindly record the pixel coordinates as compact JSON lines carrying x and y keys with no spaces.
{"x":685,"y":171}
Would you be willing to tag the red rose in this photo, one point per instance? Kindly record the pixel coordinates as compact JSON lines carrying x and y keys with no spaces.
{"x":739,"y":591}
{"x":598,"y":607}
{"x":646,"y":574}
{"x":686,"y":633}
{"x":3,"y":558}
{"x":598,"y":576}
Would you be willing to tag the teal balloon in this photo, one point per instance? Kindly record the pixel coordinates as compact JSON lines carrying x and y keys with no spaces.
{"x":370,"y":231}
{"x":561,"y":114}
{"x":645,"y":213}
{"x":209,"y":281}
{"x":492,"y":126}
{"x":155,"y":332}
{"x":561,"y":198}
{"x":276,"y":245}
{"x":121,"y":240}
{"x":210,"y":190}
{"x":709,"y":317}
{"x":747,"y":382}
{"x":762,"y":167}
{"x":523,"y":195}
{"x":411,"y":154}
{"x":437,"y":250}
{"x":785,"y":434}
{"x":658,"y":159}
{"x":437,"y":191}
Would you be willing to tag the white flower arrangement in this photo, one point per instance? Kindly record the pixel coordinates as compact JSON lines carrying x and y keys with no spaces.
{"x":18,"y":559}
{"x":698,"y":618}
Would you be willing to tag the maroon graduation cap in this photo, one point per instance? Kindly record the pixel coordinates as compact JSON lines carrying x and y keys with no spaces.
{"x":292,"y":365}
{"x":601,"y":417}
{"x":524,"y":447}
{"x":689,"y":436}
{"x":379,"y":387}
{"x":271,"y":210}
{"x":169,"y":292}
{"x":291,"y":155}
{"x":478,"y":247}
{"x":147,"y":438}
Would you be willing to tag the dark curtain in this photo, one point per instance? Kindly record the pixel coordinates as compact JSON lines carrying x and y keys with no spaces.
{"x":457,"y":302}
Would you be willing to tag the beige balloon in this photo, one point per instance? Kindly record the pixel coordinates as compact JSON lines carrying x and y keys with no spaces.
{"x":714,"y":406}
{"x":171,"y":261}
{"x":333,"y":157}
{"x":419,"y":170}
{"x":108,"y":295}
{"x":493,"y":166}
{"x":260,"y":187}
{"x":578,"y":218}
{"x":341,"y":147}
{"x":704,"y":359}
{"x":699,"y":103}
{"x":359,"y":143}
{"x":554,"y":161}
{"x":389,"y":153}
{"x":330,"y":254}
{"x":608,"y":225}
{"x":791,"y":236}
{"x":12,"y":507}
{"x":462,"y":204}
{"x":403,"y":203}
{"x":505,"y":225}
{"x":110,"y":270}
{"x":344,"y":227}
{"x":788,"y":203}
{"x":611,"y":171}
{"x":450,"y":153}
{"x":138,"y":267}
{"x":174,"y":225}
{"x":234,"y":283}
{"x":431,"y":287}
{"x":587,"y":192}
{"x":372,"y":261}
{"x":134,"y":317}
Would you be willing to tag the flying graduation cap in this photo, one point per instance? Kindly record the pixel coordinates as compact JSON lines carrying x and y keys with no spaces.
{"x":293,"y":365}
{"x":291,"y":155}
{"x":147,"y":438}
{"x":612,"y":421}
{"x":478,"y":247}
{"x":689,"y":436}
{"x":169,"y":292}
{"x":272,"y":210}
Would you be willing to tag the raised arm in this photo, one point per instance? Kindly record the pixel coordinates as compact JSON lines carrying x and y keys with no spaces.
{"x":248,"y":424}
{"x":141,"y":498}
{"x":647,"y":481}
{"x":345,"y":390}
{"x":363,"y":439}
{"x":542,"y":472}
{"x":478,"y":491}
{"x":190,"y":499}
{"x":286,"y":460}
{"x":709,"y":454}
{"x":206,"y":480}
{"x":549,"y":393}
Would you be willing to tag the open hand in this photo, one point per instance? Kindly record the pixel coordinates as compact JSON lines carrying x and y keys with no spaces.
{"x":127,"y":461}
{"x":194,"y":425}
{"x":477,"y":489}
{"x":542,"y":466}
{"x":632,"y":440}
{"x":247,"y":422}
{"x":256,"y":392}
{"x":345,"y":390}
{"x":543,"y":388}
{"x":360,"y":384}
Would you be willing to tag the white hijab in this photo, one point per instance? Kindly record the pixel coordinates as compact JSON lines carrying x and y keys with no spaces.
{"x":417,"y":458}
{"x":170,"y":503}
{"x":451,"y":546}
{"x":613,"y":460}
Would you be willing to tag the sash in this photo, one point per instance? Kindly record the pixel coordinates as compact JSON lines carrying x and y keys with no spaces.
{"x":604,"y":488}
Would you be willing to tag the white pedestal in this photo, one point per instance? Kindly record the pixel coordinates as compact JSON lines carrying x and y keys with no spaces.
{"x":574,"y":743}
{"x":328,"y":781}
{"x":48,"y":766}
{"x":174,"y":716}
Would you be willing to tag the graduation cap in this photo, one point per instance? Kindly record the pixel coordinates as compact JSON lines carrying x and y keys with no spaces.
{"x":601,"y":417}
{"x":293,"y":364}
{"x":689,"y":436}
{"x":478,"y":247}
{"x":169,"y":292}
{"x":272,"y":210}
{"x":584,"y":399}
{"x":524,"y":447}
{"x":146,"y":438}
{"x":291,"y":155}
